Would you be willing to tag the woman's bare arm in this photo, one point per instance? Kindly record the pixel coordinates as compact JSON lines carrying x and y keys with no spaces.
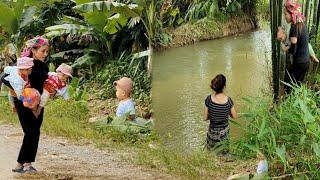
{"x":233,"y":114}
{"x":205,"y":117}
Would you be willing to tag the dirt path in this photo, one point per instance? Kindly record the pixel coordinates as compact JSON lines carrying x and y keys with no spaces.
{"x":59,"y":158}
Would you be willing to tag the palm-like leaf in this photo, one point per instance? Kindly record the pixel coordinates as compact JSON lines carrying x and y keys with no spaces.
{"x":63,"y":53}
{"x":27,"y":16}
{"x":59,"y":30}
{"x":105,"y":6}
{"x":98,"y":14}
{"x":19,"y":8}
{"x":72,"y":20}
{"x":115,"y":23}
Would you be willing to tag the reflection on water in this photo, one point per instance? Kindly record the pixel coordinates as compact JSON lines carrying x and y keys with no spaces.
{"x":181,"y":78}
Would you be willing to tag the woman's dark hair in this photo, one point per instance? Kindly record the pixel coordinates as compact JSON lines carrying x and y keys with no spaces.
{"x":218,"y":83}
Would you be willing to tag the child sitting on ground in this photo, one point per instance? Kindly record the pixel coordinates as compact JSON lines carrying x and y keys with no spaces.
{"x":56,"y":84}
{"x":281,"y":36}
{"x":218,"y":107}
{"x":126,"y":105}
{"x":16,"y":78}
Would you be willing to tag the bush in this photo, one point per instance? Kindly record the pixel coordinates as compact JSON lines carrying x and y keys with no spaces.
{"x":129,"y":67}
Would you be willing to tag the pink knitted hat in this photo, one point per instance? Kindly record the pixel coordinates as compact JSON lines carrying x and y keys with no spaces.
{"x":65,"y":69}
{"x":24,"y":63}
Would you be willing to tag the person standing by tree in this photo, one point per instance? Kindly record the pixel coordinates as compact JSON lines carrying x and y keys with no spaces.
{"x":298,"y":47}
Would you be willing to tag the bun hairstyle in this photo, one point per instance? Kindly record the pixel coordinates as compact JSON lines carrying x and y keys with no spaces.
{"x":218,"y":83}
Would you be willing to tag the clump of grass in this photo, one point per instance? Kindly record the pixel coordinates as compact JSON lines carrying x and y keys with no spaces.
{"x":287,"y":134}
{"x":193,"y":165}
{"x":67,"y":118}
{"x":61,"y":118}
{"x":190,"y":166}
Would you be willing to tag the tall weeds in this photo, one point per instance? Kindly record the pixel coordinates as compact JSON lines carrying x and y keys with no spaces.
{"x":287,"y":134}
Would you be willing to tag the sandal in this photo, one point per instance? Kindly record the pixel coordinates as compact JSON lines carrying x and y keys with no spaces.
{"x":18,"y":170}
{"x":30,"y":169}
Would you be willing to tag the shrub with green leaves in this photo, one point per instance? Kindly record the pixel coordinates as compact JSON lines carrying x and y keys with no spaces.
{"x":129,"y":67}
{"x":287,"y":134}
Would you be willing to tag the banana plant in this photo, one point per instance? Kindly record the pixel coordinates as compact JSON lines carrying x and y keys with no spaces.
{"x":102,"y":20}
{"x":13,"y":18}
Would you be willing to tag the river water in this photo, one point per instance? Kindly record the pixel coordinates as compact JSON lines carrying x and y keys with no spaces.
{"x":181,"y":78}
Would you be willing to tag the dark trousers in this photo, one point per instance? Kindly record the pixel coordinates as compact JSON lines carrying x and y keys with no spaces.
{"x":297,"y":73}
{"x":31,"y":128}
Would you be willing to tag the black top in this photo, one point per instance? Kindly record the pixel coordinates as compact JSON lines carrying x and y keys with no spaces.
{"x":300,"y":50}
{"x":38,"y":75}
{"x":218,"y":113}
{"x":5,"y":82}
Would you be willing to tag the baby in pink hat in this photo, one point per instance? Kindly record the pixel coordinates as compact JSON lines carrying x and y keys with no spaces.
{"x":56,"y":84}
{"x":126,"y":105}
{"x":17,"y":76}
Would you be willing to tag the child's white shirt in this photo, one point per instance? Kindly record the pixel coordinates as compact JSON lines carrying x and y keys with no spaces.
{"x":15,"y":80}
{"x":126,"y":106}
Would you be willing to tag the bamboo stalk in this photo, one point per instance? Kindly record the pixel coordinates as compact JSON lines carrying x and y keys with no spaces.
{"x":272,"y":45}
{"x":282,"y":55}
{"x":306,"y":12}
{"x":318,"y":19}
{"x":315,"y":12}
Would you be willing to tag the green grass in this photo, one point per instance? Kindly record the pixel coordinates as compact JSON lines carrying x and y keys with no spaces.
{"x":70,"y":119}
{"x":195,"y":165}
{"x":286,"y":134}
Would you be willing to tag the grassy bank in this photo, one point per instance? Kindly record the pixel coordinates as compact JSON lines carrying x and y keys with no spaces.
{"x":70,"y":119}
{"x":286,"y":134}
{"x":208,"y":29}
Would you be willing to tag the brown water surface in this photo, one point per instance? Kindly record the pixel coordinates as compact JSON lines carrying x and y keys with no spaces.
{"x":181,"y":78}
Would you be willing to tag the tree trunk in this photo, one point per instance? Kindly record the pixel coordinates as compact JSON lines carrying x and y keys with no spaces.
{"x":275,"y":78}
{"x":315,"y":12}
{"x":306,"y":11}
{"x":318,"y":19}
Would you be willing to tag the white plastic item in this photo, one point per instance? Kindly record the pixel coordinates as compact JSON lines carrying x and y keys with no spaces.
{"x":262,"y":167}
